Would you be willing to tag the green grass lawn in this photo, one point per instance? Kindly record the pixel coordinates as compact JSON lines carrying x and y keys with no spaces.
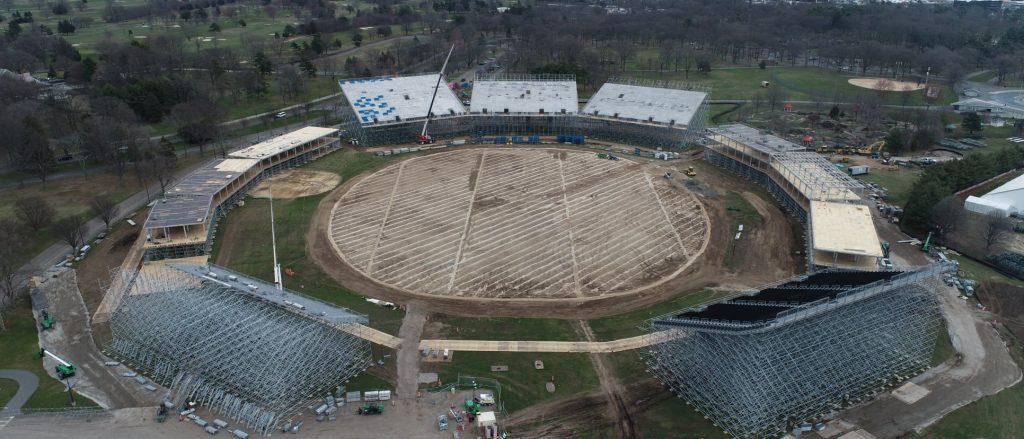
{"x":996,"y":416}
{"x":675,"y":416}
{"x":899,"y":183}
{"x":507,"y":328}
{"x":981,"y":272}
{"x":943,"y":347}
{"x":7,"y":390}
{"x":315,"y":88}
{"x":628,"y":324}
{"x":740,"y":212}
{"x":522,"y":385}
{"x":18,"y":346}
{"x":292,"y":216}
{"x":982,"y":76}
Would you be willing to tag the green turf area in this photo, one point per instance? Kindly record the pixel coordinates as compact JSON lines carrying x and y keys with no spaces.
{"x":292,"y":217}
{"x":506,"y":328}
{"x":981,"y":272}
{"x":315,"y":88}
{"x":674,"y":416}
{"x":996,"y":416}
{"x":628,"y":324}
{"x":899,"y":182}
{"x":18,"y":347}
{"x":523,"y":385}
{"x":7,"y":390}
{"x":740,"y":212}
{"x":982,"y":76}
{"x":627,"y":366}
{"x":799,"y":83}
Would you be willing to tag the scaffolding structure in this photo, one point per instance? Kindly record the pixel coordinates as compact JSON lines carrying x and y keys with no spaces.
{"x":234,"y":344}
{"x":762,"y":362}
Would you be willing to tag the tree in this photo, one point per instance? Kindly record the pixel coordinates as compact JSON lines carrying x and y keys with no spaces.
{"x":971,"y":122}
{"x":64,"y":27}
{"x":994,"y":229}
{"x":35,"y":155}
{"x":762,"y":65}
{"x":894,"y":141}
{"x":834,"y":113}
{"x":71,"y":229}
{"x":34,"y":212}
{"x":289,"y":82}
{"x":105,"y":208}
{"x":308,"y":68}
{"x":61,"y":8}
{"x":947,"y":215}
{"x":263,"y":64}
{"x":704,"y":65}
{"x":214,"y":27}
{"x":776,"y":96}
{"x":12,"y":245}
{"x":357,"y":38}
{"x":197,"y":120}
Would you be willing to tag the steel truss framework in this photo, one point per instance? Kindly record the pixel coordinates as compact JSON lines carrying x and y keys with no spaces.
{"x":228,"y":349}
{"x":758,"y":379}
{"x":483,"y":127}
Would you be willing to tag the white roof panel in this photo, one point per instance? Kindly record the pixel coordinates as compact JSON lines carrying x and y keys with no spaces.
{"x":394,"y":98}
{"x":844,"y":228}
{"x":1013,"y":185}
{"x":525,"y":96}
{"x":283,"y":143}
{"x":661,"y":105}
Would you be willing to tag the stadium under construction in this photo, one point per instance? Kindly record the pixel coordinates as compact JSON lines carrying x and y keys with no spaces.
{"x":786,"y":355}
{"x":523,"y":109}
{"x":232,"y":343}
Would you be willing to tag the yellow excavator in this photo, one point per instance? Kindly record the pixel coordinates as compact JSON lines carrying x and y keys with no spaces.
{"x":875,"y":149}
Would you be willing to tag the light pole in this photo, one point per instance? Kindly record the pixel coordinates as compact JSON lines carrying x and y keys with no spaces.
{"x":273,"y":235}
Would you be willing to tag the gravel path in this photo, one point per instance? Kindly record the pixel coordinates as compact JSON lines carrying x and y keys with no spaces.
{"x":408,"y":352}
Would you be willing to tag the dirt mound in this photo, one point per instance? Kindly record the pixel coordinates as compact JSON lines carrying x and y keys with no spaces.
{"x":885,"y":84}
{"x":1006,"y":301}
{"x":296,"y":183}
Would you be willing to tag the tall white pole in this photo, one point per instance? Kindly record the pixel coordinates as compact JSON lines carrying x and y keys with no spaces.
{"x":273,"y":236}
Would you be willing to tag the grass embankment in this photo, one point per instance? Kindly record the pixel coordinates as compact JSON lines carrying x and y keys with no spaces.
{"x":253,"y":255}
{"x":740,"y":212}
{"x":7,"y":390}
{"x":523,"y":385}
{"x":899,"y":183}
{"x":506,"y":328}
{"x":628,"y":324}
{"x":981,"y":272}
{"x":18,"y":346}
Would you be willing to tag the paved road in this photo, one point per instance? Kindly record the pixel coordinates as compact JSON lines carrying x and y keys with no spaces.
{"x":27,"y":384}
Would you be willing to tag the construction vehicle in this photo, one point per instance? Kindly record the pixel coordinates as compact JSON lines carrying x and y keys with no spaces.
{"x":927,"y":244}
{"x":371,"y":408}
{"x":885,"y":249}
{"x":161,"y":413}
{"x":423,"y":138}
{"x":442,"y":422}
{"x":64,"y":369}
{"x":47,"y":320}
{"x":690,"y":172}
{"x":844,"y":159}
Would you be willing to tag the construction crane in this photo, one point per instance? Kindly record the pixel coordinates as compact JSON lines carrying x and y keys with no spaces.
{"x":423,"y":137}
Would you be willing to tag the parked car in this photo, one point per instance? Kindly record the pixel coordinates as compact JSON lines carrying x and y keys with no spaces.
{"x":280,"y":115}
{"x":442,"y":422}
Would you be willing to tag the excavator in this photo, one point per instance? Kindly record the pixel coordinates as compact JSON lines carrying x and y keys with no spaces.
{"x":423,"y":138}
{"x":875,"y":149}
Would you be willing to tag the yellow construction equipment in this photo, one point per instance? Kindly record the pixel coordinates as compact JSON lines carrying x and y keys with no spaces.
{"x":690,"y":172}
{"x":844,"y":159}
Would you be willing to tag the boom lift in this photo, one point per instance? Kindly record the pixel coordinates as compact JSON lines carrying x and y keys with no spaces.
{"x":423,"y":138}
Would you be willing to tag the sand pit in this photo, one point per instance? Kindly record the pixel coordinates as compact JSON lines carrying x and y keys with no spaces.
{"x":518,"y":223}
{"x":295,"y":183}
{"x":885,"y":84}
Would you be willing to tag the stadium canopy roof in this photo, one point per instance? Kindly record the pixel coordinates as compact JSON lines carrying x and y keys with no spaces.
{"x":283,"y":143}
{"x":397,"y":98}
{"x":645,"y":104}
{"x":529,"y":96}
{"x":846,"y":230}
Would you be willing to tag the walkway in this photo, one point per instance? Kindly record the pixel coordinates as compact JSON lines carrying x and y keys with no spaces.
{"x":27,"y":384}
{"x":598,"y":347}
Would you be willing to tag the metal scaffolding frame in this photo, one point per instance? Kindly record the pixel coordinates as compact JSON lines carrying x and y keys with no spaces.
{"x":231,"y":347}
{"x":760,"y":377}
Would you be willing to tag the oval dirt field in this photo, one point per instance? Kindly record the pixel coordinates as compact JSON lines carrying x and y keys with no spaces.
{"x":517,"y":223}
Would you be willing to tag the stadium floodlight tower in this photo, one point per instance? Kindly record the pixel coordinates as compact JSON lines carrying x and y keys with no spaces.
{"x":425,"y":138}
{"x":278,"y":282}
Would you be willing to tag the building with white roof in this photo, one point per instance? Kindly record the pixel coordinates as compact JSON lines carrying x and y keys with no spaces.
{"x":1004,"y":200}
{"x":182,"y":222}
{"x":662,"y":114}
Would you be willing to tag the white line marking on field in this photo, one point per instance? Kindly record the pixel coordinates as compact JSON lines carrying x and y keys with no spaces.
{"x":668,"y":218}
{"x":384,"y":222}
{"x":465,"y":226}
{"x":568,"y":225}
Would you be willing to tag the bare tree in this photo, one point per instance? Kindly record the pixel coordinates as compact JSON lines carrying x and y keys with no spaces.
{"x":947,"y":215}
{"x":12,"y":242}
{"x":34,"y":212}
{"x":105,"y":208}
{"x":776,"y":96}
{"x":994,"y":229}
{"x":71,"y":229}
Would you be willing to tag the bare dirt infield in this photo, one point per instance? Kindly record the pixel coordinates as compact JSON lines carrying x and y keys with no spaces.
{"x":518,"y":223}
{"x":295,"y":183}
{"x":885,"y":84}
{"x":771,"y":258}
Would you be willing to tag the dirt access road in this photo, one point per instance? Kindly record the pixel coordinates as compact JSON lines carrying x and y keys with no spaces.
{"x":769,"y":255}
{"x":71,"y":339}
{"x":984,"y":367}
